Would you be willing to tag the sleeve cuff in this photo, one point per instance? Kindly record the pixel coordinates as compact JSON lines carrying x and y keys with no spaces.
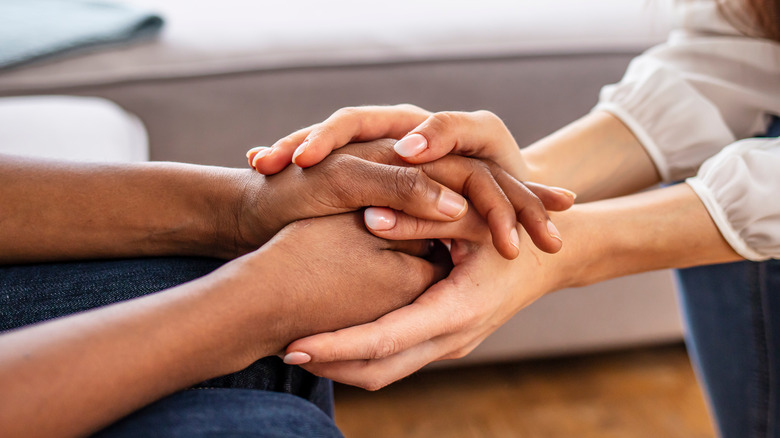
{"x":721,"y":221}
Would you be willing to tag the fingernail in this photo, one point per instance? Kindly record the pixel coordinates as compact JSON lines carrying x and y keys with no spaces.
{"x":379,"y":219}
{"x":301,"y":149}
{"x":451,"y":204}
{"x":514,"y":238}
{"x":410,"y":145}
{"x":296,"y":358}
{"x":554,"y":233}
{"x":260,"y":155}
{"x":255,"y":149}
{"x":566,"y":192}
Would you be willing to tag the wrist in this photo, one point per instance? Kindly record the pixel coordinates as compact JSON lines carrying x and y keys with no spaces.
{"x":657,"y":229}
{"x":243,"y":316}
{"x":238,"y":223}
{"x":237,"y":211}
{"x":576,"y":264}
{"x":192,"y":210}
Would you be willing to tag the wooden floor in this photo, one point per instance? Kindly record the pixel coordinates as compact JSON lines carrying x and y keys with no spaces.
{"x":640,"y":393}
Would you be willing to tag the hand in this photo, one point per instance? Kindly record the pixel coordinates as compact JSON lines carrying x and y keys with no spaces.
{"x":89,"y":369}
{"x":322,"y":274}
{"x":424,"y":137}
{"x":448,"y":321}
{"x":372,"y":175}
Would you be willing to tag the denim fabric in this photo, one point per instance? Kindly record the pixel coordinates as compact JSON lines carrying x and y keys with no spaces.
{"x":225,"y":413}
{"x":732,"y":316}
{"x":33,"y":293}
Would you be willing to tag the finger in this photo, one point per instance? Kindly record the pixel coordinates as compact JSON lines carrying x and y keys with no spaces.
{"x":394,"y":225}
{"x":476,"y":180}
{"x":403,"y":188}
{"x":553,"y":198}
{"x":375,"y":374}
{"x":252,"y":153}
{"x":280,"y":154}
{"x":397,"y":331}
{"x":353,"y":124}
{"x":531,"y":213}
{"x":480,"y":133}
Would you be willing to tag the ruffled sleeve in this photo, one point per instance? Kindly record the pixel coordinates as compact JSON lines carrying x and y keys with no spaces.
{"x":703,"y":89}
{"x":740,"y":188}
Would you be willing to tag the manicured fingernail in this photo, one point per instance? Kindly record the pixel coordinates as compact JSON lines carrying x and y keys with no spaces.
{"x":514,"y":238}
{"x":554,"y":233}
{"x":379,"y":219}
{"x":451,"y":204}
{"x":253,"y":150}
{"x":260,"y":155}
{"x":296,"y":358}
{"x":410,"y":145}
{"x":563,"y":191}
{"x":301,"y":149}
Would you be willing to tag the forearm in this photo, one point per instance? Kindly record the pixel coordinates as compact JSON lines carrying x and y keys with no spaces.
{"x":663,"y":228}
{"x":596,"y":156}
{"x":59,"y":211}
{"x":72,"y":376}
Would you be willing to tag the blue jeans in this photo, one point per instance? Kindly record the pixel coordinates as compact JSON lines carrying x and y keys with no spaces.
{"x":732,"y":316}
{"x":268,"y":399}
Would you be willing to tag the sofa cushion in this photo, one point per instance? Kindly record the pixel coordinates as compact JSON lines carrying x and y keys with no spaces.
{"x":239,"y":35}
{"x":70,"y":128}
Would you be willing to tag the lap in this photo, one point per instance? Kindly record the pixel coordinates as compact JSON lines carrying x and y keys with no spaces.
{"x":226,"y":413}
{"x":38,"y":292}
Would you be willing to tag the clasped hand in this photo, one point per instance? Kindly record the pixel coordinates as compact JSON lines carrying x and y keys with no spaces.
{"x":492,"y":253}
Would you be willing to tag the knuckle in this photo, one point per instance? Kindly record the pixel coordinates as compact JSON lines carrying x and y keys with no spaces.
{"x":492,"y":167}
{"x":410,"y":183}
{"x":408,"y":107}
{"x":443,"y":121}
{"x":422,"y":227}
{"x":340,"y":163}
{"x":480,"y":167}
{"x":384,"y":347}
{"x":346,"y":112}
{"x":488,"y":117}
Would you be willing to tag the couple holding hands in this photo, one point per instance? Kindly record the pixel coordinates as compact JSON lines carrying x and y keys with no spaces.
{"x":334,"y":263}
{"x":165,"y":299}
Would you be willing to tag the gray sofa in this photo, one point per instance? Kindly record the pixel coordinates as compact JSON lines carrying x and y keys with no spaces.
{"x":224,"y":77}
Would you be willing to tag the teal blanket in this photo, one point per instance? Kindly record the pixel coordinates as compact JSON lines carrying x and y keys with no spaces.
{"x":34,"y":29}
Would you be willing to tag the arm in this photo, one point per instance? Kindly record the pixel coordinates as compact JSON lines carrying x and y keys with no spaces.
{"x":57,"y":211}
{"x":723,"y":214}
{"x":72,"y":376}
{"x":63,"y":211}
{"x":596,"y":156}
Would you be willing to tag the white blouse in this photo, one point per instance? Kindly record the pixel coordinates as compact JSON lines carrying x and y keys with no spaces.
{"x":688,"y":99}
